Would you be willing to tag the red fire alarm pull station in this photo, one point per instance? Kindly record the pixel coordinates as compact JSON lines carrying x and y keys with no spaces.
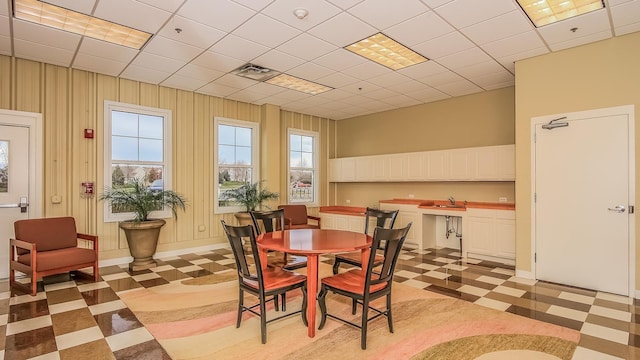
{"x":88,"y":133}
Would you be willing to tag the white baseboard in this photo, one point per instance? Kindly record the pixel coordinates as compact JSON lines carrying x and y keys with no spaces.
{"x":525,"y":274}
{"x":164,"y":254}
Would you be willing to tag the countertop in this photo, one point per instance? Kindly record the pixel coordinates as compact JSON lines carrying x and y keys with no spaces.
{"x":421,"y":204}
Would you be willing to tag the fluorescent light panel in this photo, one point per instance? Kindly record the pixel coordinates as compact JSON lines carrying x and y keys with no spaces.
{"x":298,"y":84}
{"x":386,"y":51}
{"x":60,"y":18}
{"x":544,"y":12}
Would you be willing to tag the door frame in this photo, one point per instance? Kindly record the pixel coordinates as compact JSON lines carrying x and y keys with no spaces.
{"x":627,"y":110}
{"x":33,"y":121}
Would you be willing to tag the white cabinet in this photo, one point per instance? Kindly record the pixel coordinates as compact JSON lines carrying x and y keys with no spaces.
{"x":490,"y":234}
{"x":342,"y":222}
{"x":488,"y":163}
{"x":408,"y":214}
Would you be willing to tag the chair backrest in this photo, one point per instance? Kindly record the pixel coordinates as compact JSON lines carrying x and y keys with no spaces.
{"x":394,"y":239}
{"x":237,"y":235}
{"x":269,"y":221}
{"x":48,"y":233}
{"x":296,"y":213}
{"x":384,"y":218}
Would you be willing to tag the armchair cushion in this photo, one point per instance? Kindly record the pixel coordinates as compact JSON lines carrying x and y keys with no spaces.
{"x":297,"y":217}
{"x":47,"y":234}
{"x":61,"y":258}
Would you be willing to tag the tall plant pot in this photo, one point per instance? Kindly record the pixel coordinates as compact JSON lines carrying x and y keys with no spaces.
{"x":244,"y":218}
{"x":142,"y":238}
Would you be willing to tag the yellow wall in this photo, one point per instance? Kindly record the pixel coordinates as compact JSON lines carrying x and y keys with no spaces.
{"x":598,"y":75}
{"x":72,"y":100}
{"x":481,"y":119}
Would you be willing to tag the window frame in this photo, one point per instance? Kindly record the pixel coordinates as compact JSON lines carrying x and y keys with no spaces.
{"x":255,"y":159}
{"x":316,"y":165}
{"x":167,"y":150}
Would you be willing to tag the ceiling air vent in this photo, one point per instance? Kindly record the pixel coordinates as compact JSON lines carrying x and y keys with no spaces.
{"x":255,"y":72}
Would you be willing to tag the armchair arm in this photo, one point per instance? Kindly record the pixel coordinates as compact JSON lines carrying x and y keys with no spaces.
{"x":22,"y":244}
{"x":92,"y":238}
{"x":317,"y":219}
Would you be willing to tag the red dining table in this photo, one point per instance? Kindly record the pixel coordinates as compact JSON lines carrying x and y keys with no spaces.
{"x":312,"y":243}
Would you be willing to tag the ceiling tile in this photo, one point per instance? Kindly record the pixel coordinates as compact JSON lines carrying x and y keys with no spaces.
{"x":380,"y":94}
{"x":516,"y":44}
{"x":191,"y":32}
{"x":105,"y":50}
{"x":480,"y":68}
{"x":443,"y":45}
{"x":235,"y":81}
{"x":216,"y":61}
{"x":401,"y":101}
{"x":459,"y":88}
{"x":144,"y":74}
{"x":427,"y":93}
{"x":500,"y":27}
{"x":337,"y":79}
{"x":587,"y":24}
{"x":307,"y":47}
{"x":226,"y":17}
{"x":246,"y":96}
{"x":4,"y":26}
{"x":318,"y":12}
{"x":333,"y":30}
{"x":407,"y":86}
{"x":580,"y":40}
{"x":4,"y":8}
{"x":345,"y":4}
{"x":98,"y":64}
{"x":441,"y":78}
{"x":388,"y":79}
{"x":277,"y":60}
{"x":239,"y":48}
{"x":217,"y":90}
{"x":172,"y":49}
{"x":423,"y":69}
{"x":266,"y":31}
{"x":151,"y":22}
{"x":265,"y":89}
{"x":627,"y":29}
{"x":183,"y":82}
{"x":43,"y":53}
{"x":494,"y":80}
{"x":167,"y":5}
{"x":380,"y":15}
{"x":360,"y":88}
{"x":199,"y":72}
{"x":464,"y":58}
{"x":45,"y":35}
{"x":340,"y":59}
{"x":366,"y":70}
{"x":335,"y":94}
{"x":421,"y":28}
{"x":462,"y":13}
{"x":626,"y":14}
{"x":435,"y":3}
{"x":510,"y":59}
{"x":256,"y":5}
{"x":158,"y":63}
{"x":5,"y":45}
{"x":310,"y":71}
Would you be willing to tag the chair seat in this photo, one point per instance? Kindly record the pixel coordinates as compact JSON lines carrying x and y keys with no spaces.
{"x":355,"y":258}
{"x":351,"y":281}
{"x":302,"y":226}
{"x":61,"y":258}
{"x":276,"y":278}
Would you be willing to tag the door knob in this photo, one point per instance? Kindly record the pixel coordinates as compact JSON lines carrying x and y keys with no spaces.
{"x":618,"y":209}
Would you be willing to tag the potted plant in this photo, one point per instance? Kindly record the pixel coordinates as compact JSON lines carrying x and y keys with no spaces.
{"x":142,"y":233}
{"x":251,"y":197}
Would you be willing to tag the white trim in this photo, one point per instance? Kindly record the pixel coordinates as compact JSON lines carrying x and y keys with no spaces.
{"x":33,"y":121}
{"x":167,"y":172}
{"x":164,"y":254}
{"x":255,"y":158}
{"x":316,"y":164}
{"x":629,"y":111}
{"x":525,"y":274}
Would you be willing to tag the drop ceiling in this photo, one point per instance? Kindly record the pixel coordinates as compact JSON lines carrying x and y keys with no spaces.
{"x":472,"y":46}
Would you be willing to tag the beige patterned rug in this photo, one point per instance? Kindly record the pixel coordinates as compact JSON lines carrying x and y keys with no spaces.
{"x":195,"y":319}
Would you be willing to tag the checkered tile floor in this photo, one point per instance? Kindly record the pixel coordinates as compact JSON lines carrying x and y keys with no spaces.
{"x":78,"y":319}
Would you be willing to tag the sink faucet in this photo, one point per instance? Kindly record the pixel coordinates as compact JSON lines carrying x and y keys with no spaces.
{"x":452,"y":200}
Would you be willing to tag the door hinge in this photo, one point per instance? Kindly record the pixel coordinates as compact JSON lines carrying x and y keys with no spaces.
{"x":631,"y":209}
{"x":535,"y":257}
{"x":535,"y":197}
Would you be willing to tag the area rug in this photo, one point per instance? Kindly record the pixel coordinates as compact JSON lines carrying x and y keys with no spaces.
{"x":195,"y":319}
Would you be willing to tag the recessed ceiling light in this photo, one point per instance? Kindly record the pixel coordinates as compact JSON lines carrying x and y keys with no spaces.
{"x":60,"y":18}
{"x":298,"y":84}
{"x":386,"y":51}
{"x":544,"y":12}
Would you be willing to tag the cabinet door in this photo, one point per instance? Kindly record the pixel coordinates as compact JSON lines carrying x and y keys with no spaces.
{"x":380,"y":168}
{"x":416,"y":166}
{"x":505,"y":238}
{"x":364,"y":168}
{"x":507,"y":162}
{"x":403,"y":219}
{"x":397,"y":167}
{"x":334,"y":170}
{"x":460,"y":164}
{"x":479,"y":236}
{"x":348,"y":169}
{"x":437,"y":165}
{"x":486,"y":163}
{"x":328,"y":221}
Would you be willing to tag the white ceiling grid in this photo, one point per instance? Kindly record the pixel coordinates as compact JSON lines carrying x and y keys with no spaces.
{"x":472,"y":46}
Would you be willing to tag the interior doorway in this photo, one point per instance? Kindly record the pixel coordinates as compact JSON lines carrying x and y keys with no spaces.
{"x":584,"y":190}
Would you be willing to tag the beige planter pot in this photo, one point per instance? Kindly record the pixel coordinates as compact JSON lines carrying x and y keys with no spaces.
{"x":244,"y":218}
{"x":142,"y":238}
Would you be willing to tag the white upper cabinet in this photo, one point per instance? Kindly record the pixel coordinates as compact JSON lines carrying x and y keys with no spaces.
{"x":488,"y":163}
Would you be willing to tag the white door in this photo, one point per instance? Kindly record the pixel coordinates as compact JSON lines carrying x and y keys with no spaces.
{"x":582,"y":198}
{"x":18,"y":132}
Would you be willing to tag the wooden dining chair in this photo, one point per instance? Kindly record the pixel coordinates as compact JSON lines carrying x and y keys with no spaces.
{"x":273,"y":220}
{"x":263,"y":284}
{"x":365,"y":286}
{"x":384,"y":219}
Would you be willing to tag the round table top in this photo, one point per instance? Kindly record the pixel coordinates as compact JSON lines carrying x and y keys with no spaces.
{"x":313,"y":241}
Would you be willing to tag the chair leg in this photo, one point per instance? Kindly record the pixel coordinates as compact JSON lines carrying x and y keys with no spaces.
{"x":284,"y":301}
{"x":263,"y":321}
{"x":304,"y":305}
{"x":365,"y":321}
{"x":323,"y":306}
{"x":34,"y":283}
{"x":96,"y":272}
{"x":354,"y":305}
{"x":240,"y":305}
{"x":389,"y":318}
{"x":276,"y":304}
{"x":336,"y":266}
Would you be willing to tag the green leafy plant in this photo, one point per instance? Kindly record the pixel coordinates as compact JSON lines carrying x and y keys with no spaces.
{"x":251,"y":196}
{"x":135,"y":196}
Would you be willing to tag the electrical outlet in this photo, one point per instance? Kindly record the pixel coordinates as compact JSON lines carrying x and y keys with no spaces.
{"x":502,"y":199}
{"x":411,"y":196}
{"x":348,"y":201}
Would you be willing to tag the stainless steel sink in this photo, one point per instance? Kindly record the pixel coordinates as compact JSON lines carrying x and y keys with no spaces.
{"x":448,"y":206}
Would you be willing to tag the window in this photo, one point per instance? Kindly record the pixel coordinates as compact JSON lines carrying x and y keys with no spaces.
{"x":236,"y":159}
{"x":137,"y":145}
{"x":303,"y":167}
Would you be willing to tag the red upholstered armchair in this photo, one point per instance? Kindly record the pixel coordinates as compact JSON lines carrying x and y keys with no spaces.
{"x":49,"y":246}
{"x":296,"y":217}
